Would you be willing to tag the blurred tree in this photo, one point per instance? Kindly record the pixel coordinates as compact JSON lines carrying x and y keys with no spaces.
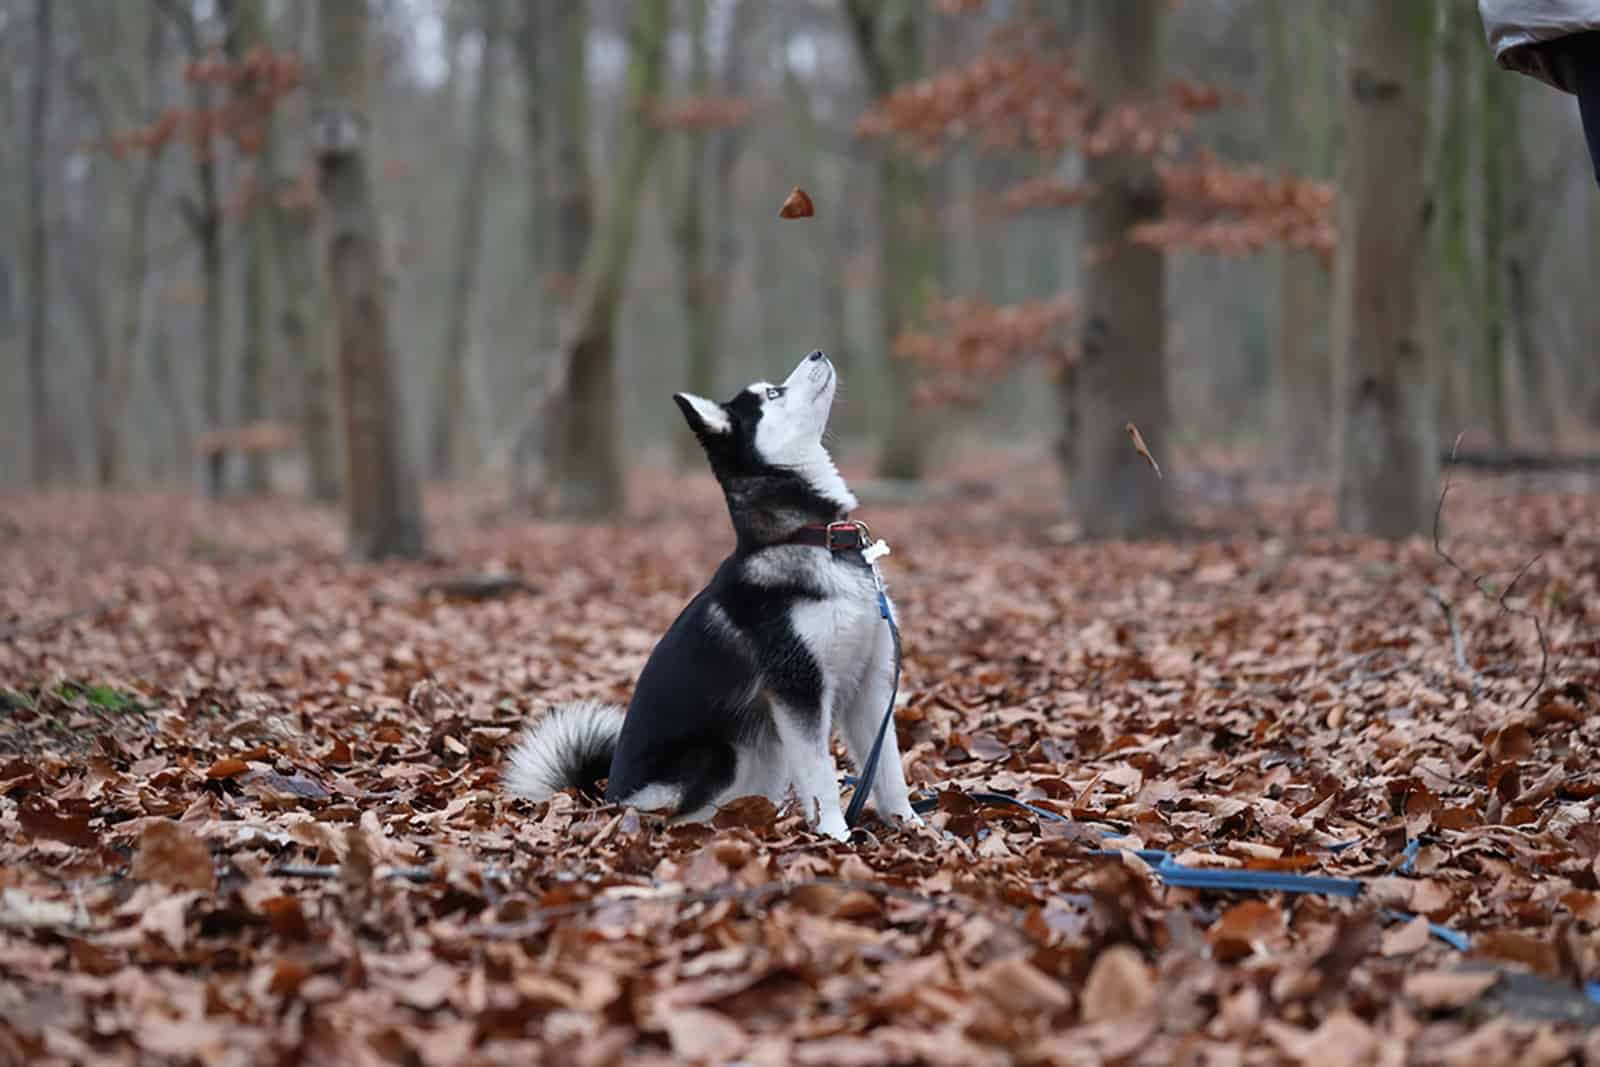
{"x":204,"y":219}
{"x":245,"y":36}
{"x":585,"y":450}
{"x":1387,"y":444}
{"x":120,"y":82}
{"x":302,"y":295}
{"x":1495,"y":128}
{"x":1454,"y":307}
{"x":688,"y":238}
{"x":1121,"y":375}
{"x":552,"y":47}
{"x":1298,"y":98}
{"x":451,"y":433}
{"x":890,"y":38}
{"x":36,"y":241}
{"x":381,"y":489}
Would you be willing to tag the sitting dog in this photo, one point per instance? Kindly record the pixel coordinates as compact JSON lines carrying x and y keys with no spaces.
{"x":742,"y":693}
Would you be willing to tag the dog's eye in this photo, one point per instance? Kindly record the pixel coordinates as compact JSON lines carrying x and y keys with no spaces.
{"x":775,"y":392}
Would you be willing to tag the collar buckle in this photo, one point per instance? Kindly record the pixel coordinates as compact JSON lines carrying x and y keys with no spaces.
{"x":863,"y":535}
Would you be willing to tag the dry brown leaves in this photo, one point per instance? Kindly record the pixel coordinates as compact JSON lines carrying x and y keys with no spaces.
{"x":970,"y":342}
{"x":1212,"y":207}
{"x":1014,"y":95}
{"x":704,"y":114}
{"x":248,"y":805}
{"x":252,"y":88}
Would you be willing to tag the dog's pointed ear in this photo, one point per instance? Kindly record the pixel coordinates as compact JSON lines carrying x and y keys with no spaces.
{"x":705,"y":417}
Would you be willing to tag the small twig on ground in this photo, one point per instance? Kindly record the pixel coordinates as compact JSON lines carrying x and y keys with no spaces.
{"x":1480,"y":583}
{"x":329,"y":872}
{"x":1449,"y":610}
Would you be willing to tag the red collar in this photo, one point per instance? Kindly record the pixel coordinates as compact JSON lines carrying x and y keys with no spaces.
{"x":846,"y":535}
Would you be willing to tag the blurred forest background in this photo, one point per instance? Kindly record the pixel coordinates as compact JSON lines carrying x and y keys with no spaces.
{"x":343,"y":249}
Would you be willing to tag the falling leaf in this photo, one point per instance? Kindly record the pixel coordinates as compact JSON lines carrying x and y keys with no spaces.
{"x":1140,"y":447}
{"x":797,"y":205}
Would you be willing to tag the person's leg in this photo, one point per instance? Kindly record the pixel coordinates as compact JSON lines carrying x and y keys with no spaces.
{"x":1579,"y":56}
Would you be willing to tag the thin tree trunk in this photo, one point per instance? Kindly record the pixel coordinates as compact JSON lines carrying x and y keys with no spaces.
{"x":1495,"y":129}
{"x":688,"y":239}
{"x":36,"y":257}
{"x":1302,"y":377}
{"x":206,"y":224}
{"x":588,"y":463}
{"x":891,"y":40}
{"x":246,"y":30}
{"x":305,"y":341}
{"x":541,"y":442}
{"x":1388,"y":457}
{"x":382,"y":494}
{"x":1455,"y":308}
{"x":449,"y":436}
{"x":1529,"y":218}
{"x":1122,"y":375}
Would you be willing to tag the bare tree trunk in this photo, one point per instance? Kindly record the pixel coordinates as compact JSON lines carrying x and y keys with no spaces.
{"x":305,"y":341}
{"x":1529,"y":217}
{"x":1495,"y":129}
{"x":891,"y":40}
{"x":540,"y":443}
{"x":1453,"y":302}
{"x":1122,"y":375}
{"x":1302,"y":374}
{"x":1388,"y":457}
{"x":205,"y":222}
{"x":689,"y":242}
{"x":450,"y":429}
{"x":381,"y":489}
{"x":587,"y":461}
{"x":36,"y":257}
{"x":246,"y":29}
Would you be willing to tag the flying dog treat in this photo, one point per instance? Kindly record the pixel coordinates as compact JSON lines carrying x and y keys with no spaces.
{"x":797,"y":206}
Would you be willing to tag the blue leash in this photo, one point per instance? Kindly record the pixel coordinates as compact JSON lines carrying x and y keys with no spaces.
{"x":869,"y":769}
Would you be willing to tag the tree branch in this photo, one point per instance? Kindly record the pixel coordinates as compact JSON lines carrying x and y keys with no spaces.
{"x":1480,"y":583}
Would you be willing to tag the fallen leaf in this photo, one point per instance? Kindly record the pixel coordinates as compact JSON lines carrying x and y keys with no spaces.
{"x":1441,"y":990}
{"x":1119,"y":985}
{"x":40,"y":819}
{"x":227,"y":767}
{"x":1406,"y":938}
{"x":170,"y":854}
{"x":704,"y":1036}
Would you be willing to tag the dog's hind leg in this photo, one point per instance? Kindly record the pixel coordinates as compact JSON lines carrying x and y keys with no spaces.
{"x":859,"y":720}
{"x":804,"y":740}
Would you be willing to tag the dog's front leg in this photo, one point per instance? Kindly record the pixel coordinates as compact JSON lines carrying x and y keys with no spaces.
{"x":803,"y":733}
{"x":859,"y":723}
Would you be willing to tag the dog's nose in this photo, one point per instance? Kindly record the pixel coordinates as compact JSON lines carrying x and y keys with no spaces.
{"x":813,"y":357}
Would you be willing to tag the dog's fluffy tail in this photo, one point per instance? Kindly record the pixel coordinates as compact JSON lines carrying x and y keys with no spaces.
{"x":569,"y":747}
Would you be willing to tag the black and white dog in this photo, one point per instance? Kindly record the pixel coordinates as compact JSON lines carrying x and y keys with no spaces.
{"x":787,"y":642}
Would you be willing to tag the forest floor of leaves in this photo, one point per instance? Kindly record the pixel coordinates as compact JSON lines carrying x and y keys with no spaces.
{"x":249,"y":803}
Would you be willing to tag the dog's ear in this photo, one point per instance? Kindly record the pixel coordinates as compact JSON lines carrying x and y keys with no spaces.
{"x":705,"y":417}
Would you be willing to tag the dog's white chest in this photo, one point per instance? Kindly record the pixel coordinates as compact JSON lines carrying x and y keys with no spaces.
{"x":839,"y":630}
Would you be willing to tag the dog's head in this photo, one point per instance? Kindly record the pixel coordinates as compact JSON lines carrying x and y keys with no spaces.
{"x":765,"y":447}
